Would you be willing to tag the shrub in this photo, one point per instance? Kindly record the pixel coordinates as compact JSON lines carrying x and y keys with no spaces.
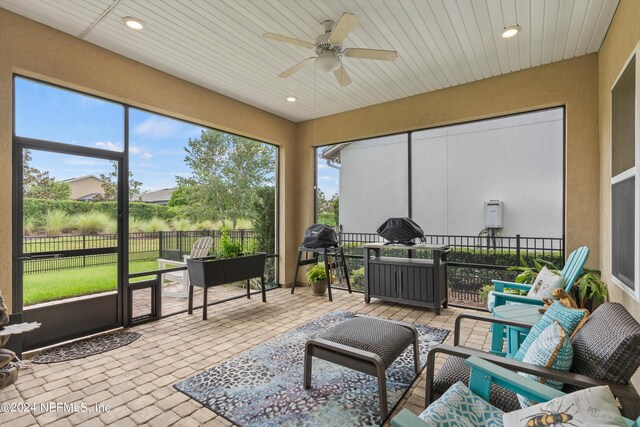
{"x":29,"y":227}
{"x":205,"y":225}
{"x":92,"y":222}
{"x":136,"y":226}
{"x":228,"y":247}
{"x":111,"y":226}
{"x":244,"y":224}
{"x":357,"y":278}
{"x":155,"y":225}
{"x":54,"y":222}
{"x":182,"y":224}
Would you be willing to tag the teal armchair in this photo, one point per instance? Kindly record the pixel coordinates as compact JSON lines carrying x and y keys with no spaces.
{"x":572,"y":269}
{"x":483,"y":375}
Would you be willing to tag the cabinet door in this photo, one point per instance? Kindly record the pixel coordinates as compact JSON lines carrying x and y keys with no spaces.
{"x":383,"y":280}
{"x":416,"y":283}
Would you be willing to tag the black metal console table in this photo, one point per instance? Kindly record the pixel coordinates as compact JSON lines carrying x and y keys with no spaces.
{"x":413,"y":281}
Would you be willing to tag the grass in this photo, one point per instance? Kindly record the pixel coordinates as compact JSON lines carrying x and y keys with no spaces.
{"x":57,"y":285}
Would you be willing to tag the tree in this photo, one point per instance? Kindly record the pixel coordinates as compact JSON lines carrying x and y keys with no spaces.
{"x":38,"y":184}
{"x":263,"y":218}
{"x":227,"y":170}
{"x":110,"y":185}
{"x":328,"y":209}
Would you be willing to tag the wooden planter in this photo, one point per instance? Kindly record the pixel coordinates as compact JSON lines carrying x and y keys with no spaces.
{"x":209,"y":271}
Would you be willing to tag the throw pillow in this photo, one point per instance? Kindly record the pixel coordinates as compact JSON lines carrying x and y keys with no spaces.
{"x":546,"y":281}
{"x":459,"y":407}
{"x":552,"y":349}
{"x":591,"y":407}
{"x":570,"y":319}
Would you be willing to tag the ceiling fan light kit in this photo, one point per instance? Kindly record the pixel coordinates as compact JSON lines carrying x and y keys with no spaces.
{"x":329,"y":50}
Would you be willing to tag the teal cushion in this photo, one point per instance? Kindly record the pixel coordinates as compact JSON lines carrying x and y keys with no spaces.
{"x":459,"y":407}
{"x":551,"y":349}
{"x":570,"y":319}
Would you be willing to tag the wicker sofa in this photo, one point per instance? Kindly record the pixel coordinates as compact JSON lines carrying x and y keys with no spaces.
{"x":606,"y":352}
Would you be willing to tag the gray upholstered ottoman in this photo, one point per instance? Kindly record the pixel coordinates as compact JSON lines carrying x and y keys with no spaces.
{"x":366,"y":344}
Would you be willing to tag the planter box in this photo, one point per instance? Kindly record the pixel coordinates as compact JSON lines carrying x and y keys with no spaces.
{"x":209,"y":271}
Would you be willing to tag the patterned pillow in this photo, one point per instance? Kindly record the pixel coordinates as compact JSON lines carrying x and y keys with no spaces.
{"x":552,"y":349}
{"x":459,"y":407}
{"x":591,"y":407}
{"x":570,"y":319}
{"x":546,"y":281}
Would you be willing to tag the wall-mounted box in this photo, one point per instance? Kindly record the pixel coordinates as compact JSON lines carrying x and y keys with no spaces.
{"x":493,"y":214}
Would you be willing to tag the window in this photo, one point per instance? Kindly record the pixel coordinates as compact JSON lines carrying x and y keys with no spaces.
{"x":624,"y":179}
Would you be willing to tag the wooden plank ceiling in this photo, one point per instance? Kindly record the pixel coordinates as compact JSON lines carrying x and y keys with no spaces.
{"x":441,"y":43}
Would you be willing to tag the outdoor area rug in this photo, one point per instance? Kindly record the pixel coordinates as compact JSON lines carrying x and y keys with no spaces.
{"x":84,"y":348}
{"x":263,"y":386}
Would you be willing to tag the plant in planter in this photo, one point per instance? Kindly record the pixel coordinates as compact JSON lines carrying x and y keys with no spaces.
{"x":317,"y":279}
{"x":591,"y":291}
{"x":528,"y":273}
{"x":229,"y":248}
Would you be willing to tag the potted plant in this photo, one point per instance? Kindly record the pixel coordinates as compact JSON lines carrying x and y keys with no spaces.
{"x":590,"y":290}
{"x":317,"y":279}
{"x":232,"y":265}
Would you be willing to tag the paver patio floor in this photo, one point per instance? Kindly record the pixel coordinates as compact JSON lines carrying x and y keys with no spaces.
{"x":136,"y":380}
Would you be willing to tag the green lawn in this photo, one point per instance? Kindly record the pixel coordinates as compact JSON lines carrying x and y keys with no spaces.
{"x":56,"y":285}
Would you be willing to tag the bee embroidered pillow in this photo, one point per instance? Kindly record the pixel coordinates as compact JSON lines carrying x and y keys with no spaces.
{"x":546,"y":281}
{"x":591,"y":407}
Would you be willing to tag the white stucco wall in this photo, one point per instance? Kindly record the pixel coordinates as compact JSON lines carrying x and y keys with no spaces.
{"x":517,"y":159}
{"x":373,"y":182}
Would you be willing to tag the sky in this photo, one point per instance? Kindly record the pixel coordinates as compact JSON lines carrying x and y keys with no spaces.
{"x":328,"y":177}
{"x":156,"y":143}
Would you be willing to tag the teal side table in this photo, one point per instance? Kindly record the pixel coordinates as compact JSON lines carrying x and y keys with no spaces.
{"x":514,"y":335}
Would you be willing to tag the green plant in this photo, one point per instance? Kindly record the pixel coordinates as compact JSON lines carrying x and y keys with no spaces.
{"x":155,"y":225}
{"x":484,"y":292}
{"x":182,"y":224}
{"x":357,"y":278}
{"x":316,"y":273}
{"x":92,"y":222}
{"x":528,"y":272}
{"x":205,"y":225}
{"x":28,"y":227}
{"x":591,"y":287}
{"x":135,"y":225}
{"x":229,"y":248}
{"x":55,"y":222}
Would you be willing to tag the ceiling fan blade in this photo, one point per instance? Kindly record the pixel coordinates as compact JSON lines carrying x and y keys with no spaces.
{"x":290,"y":40}
{"x":385,"y":55}
{"x":299,"y":66}
{"x":346,"y":23}
{"x":342,"y":76}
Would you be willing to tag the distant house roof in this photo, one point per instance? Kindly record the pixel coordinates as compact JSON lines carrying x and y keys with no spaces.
{"x":89,"y":197}
{"x":158,"y":196}
{"x":80,"y":178}
{"x":332,"y":152}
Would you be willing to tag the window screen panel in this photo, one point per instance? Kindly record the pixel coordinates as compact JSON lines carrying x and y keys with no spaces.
{"x":623,"y":235}
{"x":623,"y":114}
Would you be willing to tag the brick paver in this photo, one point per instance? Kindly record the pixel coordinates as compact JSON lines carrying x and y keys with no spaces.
{"x":136,"y":380}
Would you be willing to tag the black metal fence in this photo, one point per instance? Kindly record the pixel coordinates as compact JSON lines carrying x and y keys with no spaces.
{"x":473,"y":262}
{"x":142,"y":247}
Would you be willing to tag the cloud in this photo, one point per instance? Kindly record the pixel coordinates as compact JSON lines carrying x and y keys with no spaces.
{"x":146,"y":155}
{"x":108,"y":145}
{"x":157,"y":128}
{"x":135,"y":150}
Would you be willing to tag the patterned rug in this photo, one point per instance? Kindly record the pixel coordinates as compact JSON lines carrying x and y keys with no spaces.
{"x":85,"y":348}
{"x":263,"y":386}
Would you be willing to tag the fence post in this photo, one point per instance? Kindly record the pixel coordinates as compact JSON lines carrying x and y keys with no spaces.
{"x":242,"y":237}
{"x":179,"y":235}
{"x":160,"y":248}
{"x":84,"y":246}
{"x":518,"y":247}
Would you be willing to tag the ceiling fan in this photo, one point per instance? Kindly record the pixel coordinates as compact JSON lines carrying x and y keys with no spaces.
{"x":329,"y":50}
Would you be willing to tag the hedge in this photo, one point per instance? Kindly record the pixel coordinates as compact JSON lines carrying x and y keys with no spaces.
{"x":35,"y":209}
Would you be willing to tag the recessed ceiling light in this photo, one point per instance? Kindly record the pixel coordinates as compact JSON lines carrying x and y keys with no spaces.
{"x":510,"y":31}
{"x":291,"y":98}
{"x":133,"y":23}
